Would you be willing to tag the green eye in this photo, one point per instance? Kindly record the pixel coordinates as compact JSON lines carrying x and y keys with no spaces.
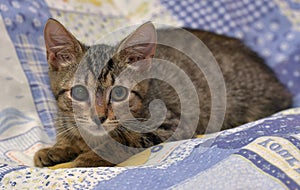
{"x":119,"y":93}
{"x":80,"y":93}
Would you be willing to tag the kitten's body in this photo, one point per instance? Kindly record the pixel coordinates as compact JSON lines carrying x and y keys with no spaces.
{"x":252,"y":91}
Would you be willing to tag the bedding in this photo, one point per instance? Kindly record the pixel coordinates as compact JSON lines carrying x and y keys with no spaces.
{"x":260,"y":155}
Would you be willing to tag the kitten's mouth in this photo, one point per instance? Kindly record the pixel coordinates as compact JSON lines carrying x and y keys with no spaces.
{"x":97,"y":130}
{"x":109,"y":127}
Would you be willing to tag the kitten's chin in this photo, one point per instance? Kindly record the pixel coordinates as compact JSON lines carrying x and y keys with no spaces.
{"x":95,"y":131}
{"x":108,"y":128}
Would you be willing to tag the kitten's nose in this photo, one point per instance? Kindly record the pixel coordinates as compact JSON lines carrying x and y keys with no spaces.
{"x":102,"y":119}
{"x":99,"y":120}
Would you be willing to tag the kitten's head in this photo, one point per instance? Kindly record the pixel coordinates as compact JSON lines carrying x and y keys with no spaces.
{"x":83,"y":78}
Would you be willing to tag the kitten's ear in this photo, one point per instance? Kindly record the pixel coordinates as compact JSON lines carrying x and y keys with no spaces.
{"x":139,"y":45}
{"x":62,"y":47}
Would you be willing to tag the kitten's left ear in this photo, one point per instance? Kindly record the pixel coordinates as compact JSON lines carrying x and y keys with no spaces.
{"x":140,"y":45}
{"x":62,"y":47}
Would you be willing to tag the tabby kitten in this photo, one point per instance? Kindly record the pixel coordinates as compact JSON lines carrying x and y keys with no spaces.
{"x":252,"y":92}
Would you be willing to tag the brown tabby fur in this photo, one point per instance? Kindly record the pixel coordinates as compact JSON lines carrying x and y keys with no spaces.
{"x":253,"y":92}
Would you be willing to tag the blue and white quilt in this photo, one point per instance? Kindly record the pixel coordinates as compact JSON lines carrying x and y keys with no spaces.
{"x":261,"y":155}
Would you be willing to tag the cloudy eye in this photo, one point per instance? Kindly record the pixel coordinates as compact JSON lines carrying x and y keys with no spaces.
{"x":80,"y":93}
{"x":119,"y":93}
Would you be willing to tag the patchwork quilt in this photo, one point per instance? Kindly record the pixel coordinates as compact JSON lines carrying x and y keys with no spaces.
{"x":264,"y":154}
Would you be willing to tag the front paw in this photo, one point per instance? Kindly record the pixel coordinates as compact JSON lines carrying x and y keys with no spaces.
{"x":91,"y":159}
{"x":54,"y":155}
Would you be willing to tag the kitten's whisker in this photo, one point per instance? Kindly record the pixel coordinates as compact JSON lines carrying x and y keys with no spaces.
{"x":113,"y":121}
{"x":134,"y":120}
{"x":64,"y":132}
{"x":109,"y":124}
{"x":72,"y":133}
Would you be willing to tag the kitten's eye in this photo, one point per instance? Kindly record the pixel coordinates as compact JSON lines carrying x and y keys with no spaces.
{"x":119,"y":93}
{"x":80,"y":93}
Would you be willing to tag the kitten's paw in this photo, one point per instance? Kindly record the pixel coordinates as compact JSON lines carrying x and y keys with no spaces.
{"x":54,"y":155}
{"x":62,"y":165}
{"x":91,"y":159}
{"x":41,"y":158}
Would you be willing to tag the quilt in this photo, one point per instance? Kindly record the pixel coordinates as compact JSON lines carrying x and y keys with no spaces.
{"x":264,"y":154}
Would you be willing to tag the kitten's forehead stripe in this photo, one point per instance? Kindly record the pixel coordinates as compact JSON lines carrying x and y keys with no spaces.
{"x":89,"y":79}
{"x":91,"y":66}
{"x":97,"y":59}
{"x":106,"y":78}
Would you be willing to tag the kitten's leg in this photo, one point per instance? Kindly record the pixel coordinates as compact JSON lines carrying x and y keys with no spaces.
{"x":54,"y":155}
{"x":90,"y":159}
{"x":109,"y":154}
{"x":170,"y":130}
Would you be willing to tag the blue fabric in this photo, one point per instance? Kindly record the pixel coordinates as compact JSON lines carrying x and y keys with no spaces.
{"x":203,"y":157}
{"x":261,"y":24}
{"x":260,"y":155}
{"x":25,"y":21}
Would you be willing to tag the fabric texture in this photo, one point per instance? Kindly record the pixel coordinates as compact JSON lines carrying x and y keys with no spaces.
{"x":260,"y":155}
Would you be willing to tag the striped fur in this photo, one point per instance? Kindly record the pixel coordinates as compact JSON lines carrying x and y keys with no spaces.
{"x":254,"y":94}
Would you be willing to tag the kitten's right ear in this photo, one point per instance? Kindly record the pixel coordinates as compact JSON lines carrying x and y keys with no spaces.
{"x":62,"y":47}
{"x":139,"y":45}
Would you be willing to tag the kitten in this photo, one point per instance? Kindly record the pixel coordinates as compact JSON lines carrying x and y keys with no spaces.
{"x":252,"y":92}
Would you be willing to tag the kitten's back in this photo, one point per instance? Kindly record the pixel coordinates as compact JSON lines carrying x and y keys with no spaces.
{"x":252,"y":89}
